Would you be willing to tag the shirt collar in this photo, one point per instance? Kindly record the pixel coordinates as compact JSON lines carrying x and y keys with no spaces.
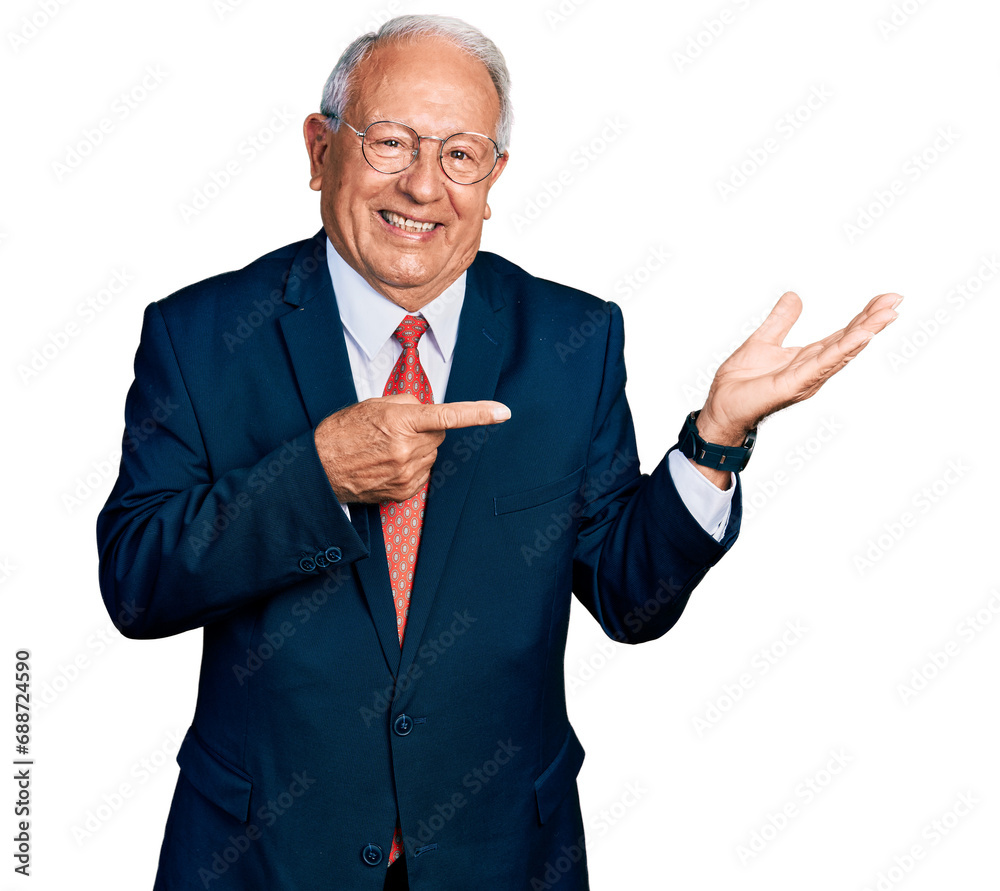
{"x":371,"y":318}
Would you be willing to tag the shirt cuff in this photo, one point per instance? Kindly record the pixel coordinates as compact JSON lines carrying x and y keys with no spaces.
{"x":707,"y":503}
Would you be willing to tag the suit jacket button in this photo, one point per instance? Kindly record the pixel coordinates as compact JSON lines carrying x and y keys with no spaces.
{"x":333,"y":554}
{"x":372,"y":855}
{"x":321,"y":560}
{"x":306,"y":564}
{"x":402,"y":725}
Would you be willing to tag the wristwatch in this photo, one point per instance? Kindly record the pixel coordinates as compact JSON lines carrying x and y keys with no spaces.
{"x":710,"y":454}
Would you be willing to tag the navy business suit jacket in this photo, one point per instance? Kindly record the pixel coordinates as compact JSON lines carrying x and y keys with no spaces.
{"x":313,"y":729}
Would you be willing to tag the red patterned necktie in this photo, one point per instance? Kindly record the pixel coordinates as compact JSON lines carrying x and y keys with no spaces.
{"x":403,"y":521}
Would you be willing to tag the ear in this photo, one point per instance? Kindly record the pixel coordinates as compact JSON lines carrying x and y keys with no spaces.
{"x":501,"y":164}
{"x":493,"y":177}
{"x":317,"y":137}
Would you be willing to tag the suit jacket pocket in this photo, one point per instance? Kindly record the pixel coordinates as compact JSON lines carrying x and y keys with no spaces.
{"x":213,"y":776}
{"x":559,"y":777}
{"x":567,"y":485}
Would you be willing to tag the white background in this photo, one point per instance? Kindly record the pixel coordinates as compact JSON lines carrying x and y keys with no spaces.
{"x":666,"y":109}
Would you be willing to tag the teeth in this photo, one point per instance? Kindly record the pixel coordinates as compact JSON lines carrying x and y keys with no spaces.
{"x":403,"y":223}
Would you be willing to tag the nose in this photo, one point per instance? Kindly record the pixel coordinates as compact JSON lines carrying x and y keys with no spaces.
{"x":424,"y":180}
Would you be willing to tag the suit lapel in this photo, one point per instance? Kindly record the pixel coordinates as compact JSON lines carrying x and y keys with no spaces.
{"x":314,"y":334}
{"x":475,"y":369}
{"x":373,"y":573}
{"x":314,"y":337}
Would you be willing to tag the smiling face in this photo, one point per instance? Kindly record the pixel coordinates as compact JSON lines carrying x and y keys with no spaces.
{"x":408,"y":234}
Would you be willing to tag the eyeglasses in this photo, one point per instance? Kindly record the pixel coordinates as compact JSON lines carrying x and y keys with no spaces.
{"x":391,"y":147}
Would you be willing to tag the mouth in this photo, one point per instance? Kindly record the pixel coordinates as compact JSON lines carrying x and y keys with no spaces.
{"x":398,"y":221}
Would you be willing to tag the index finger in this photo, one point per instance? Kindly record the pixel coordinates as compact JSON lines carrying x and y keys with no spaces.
{"x":452,"y":415}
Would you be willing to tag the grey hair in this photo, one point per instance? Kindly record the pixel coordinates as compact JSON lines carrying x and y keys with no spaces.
{"x":337,"y":90}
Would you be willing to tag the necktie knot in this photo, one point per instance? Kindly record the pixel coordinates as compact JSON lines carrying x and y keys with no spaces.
{"x":409,"y":331}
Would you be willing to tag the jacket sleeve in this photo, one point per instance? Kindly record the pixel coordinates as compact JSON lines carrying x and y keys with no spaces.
{"x":639,"y":553}
{"x":179,"y":546}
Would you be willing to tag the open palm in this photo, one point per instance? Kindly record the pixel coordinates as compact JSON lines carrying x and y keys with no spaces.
{"x":762,"y":376}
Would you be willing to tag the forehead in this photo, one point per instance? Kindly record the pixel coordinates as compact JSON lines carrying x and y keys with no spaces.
{"x":427,"y":82}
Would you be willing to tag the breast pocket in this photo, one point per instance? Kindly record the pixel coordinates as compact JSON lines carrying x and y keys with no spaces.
{"x":539,"y":495}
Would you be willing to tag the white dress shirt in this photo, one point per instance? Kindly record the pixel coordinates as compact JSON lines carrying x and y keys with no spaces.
{"x":369,"y":321}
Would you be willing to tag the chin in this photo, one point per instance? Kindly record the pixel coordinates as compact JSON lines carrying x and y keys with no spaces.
{"x":409,"y":277}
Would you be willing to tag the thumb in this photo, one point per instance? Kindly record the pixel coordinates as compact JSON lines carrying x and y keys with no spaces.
{"x":780,"y":319}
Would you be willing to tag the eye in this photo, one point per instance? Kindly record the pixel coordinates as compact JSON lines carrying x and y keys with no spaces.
{"x":464,"y":153}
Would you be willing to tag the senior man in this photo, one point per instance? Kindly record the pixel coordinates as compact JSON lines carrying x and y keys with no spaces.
{"x":378,"y":498}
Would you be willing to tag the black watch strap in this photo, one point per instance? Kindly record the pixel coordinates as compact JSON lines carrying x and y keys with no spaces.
{"x":710,"y":454}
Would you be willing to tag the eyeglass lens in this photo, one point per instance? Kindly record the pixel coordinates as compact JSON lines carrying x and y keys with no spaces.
{"x":466,"y":157}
